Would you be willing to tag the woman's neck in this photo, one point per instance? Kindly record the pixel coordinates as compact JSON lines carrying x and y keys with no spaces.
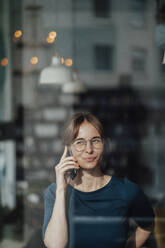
{"x":90,"y":180}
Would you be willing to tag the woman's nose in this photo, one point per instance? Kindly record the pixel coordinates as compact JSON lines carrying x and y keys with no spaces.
{"x":89,"y":147}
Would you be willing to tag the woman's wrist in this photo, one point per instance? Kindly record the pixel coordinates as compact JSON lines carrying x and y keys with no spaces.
{"x":60,"y":191}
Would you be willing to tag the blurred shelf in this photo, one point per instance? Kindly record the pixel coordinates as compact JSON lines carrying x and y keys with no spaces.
{"x":20,"y":73}
{"x":24,"y":44}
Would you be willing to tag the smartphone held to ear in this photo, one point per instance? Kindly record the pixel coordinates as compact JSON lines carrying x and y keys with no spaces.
{"x":72,"y":172}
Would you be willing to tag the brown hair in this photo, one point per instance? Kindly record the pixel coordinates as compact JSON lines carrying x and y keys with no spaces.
{"x":75,"y":122}
{"x":72,"y":129}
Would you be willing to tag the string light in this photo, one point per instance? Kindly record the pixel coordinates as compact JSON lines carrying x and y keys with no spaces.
{"x":4,"y":62}
{"x":62,"y":60}
{"x":34,"y":60}
{"x":52,"y":34}
{"x":51,"y":37}
{"x":50,"y":40}
{"x":17,"y":34}
{"x":68,"y":62}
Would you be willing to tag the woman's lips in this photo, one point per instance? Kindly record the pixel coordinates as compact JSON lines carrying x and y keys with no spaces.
{"x":89,"y":159}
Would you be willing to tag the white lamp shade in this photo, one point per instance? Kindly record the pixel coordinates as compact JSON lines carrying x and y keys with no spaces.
{"x":163,"y":59}
{"x":74,"y":87}
{"x":56,"y":73}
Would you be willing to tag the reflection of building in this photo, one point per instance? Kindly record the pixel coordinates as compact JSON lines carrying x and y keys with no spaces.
{"x":104,"y":38}
{"x":111,"y":43}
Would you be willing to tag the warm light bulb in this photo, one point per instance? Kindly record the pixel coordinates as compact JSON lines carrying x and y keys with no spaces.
{"x":17,"y":34}
{"x":50,"y":40}
{"x":4,"y":62}
{"x":68,"y":62}
{"x":62,"y":60}
{"x":52,"y":35}
{"x":34,"y":60}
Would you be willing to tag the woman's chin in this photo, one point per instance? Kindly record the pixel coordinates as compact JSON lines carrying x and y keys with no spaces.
{"x":88,"y":165}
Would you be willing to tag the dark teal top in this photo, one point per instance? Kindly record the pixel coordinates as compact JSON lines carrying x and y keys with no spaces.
{"x":100,"y":218}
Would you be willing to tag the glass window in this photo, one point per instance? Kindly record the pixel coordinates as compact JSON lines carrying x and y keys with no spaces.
{"x":138,"y":5}
{"x":101,"y":8}
{"x":103,"y":57}
{"x":138,"y":10}
{"x":139,"y":56}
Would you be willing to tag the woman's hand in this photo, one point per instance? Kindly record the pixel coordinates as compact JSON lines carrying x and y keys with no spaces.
{"x":66,"y":163}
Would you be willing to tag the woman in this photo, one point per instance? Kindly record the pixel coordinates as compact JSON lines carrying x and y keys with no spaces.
{"x":93,"y":209}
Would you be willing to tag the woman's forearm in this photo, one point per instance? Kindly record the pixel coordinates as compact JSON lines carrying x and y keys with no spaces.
{"x":56,"y":235}
{"x":138,"y":238}
{"x":141,"y":236}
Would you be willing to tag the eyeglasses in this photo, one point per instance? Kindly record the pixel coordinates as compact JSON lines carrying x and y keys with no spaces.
{"x":81,"y":144}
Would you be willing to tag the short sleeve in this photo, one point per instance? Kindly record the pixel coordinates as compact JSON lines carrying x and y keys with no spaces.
{"x":49,"y":198}
{"x":141,"y":210}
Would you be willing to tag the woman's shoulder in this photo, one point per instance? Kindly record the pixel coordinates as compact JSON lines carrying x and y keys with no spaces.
{"x":125,"y":181}
{"x":126,"y":185}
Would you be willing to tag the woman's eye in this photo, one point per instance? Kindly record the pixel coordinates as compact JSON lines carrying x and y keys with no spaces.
{"x":79,"y":143}
{"x":96,"y":140}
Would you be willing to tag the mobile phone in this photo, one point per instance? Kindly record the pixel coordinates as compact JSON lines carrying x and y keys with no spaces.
{"x":72,"y":172}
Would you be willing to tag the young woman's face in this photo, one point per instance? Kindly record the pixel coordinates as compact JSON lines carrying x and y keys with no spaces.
{"x":89,"y":157}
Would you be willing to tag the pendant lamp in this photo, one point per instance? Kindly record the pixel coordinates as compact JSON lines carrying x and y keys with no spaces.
{"x":56,"y":73}
{"x":74,"y":86}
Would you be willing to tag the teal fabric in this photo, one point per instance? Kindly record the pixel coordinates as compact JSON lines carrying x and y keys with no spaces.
{"x":100,"y":218}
